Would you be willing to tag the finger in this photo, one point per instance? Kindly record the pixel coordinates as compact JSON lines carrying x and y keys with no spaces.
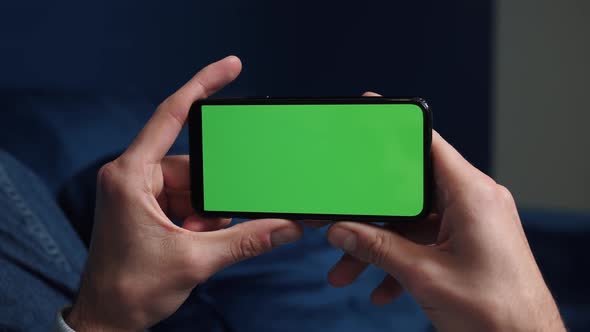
{"x":387,"y":291}
{"x":371,"y":94}
{"x":158,"y":135}
{"x":177,"y":204}
{"x":373,"y":244}
{"x":452,"y":173}
{"x":248,"y":239}
{"x":345,"y":271}
{"x":422,"y":232}
{"x":176,"y":172}
{"x":197,"y":223}
{"x":176,"y":175}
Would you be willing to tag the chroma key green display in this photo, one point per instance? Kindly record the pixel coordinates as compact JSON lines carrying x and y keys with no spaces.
{"x":336,"y":159}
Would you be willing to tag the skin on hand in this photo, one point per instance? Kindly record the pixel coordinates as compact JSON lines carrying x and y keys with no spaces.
{"x":469,"y":265}
{"x":141,"y":266}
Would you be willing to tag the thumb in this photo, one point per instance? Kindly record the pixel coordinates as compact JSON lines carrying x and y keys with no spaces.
{"x":379,"y":246}
{"x":248,"y":239}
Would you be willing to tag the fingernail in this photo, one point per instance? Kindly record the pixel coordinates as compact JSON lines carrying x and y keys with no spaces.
{"x":342,"y":238}
{"x":284,"y":236}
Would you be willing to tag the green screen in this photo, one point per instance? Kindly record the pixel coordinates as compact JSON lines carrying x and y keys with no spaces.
{"x":353,"y":159}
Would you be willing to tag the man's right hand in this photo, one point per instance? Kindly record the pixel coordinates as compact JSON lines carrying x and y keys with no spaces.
{"x":469,"y":266}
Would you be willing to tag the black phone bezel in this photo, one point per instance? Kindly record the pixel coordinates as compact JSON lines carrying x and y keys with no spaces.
{"x":196,"y":157}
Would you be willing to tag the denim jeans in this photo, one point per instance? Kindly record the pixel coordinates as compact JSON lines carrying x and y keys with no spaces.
{"x":42,"y":257}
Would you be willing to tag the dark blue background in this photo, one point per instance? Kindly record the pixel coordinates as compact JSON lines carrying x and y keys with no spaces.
{"x":79,"y":79}
{"x":437,"y":50}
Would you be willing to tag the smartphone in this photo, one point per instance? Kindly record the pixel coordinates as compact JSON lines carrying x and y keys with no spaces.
{"x":356,"y":159}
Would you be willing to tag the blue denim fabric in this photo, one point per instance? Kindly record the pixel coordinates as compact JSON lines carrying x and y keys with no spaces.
{"x":41,"y":257}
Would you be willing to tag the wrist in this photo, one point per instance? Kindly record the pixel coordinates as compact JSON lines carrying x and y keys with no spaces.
{"x":101,"y":309}
{"x":545,"y":315}
{"x":85,"y":319}
{"x":82,"y":319}
{"x":540,"y":314}
{"x":79,"y":321}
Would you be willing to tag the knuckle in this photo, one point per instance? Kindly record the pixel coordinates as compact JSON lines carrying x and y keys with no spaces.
{"x":187,"y":261}
{"x":202,"y":88}
{"x":422,"y":276}
{"x":167,"y":103}
{"x":377,"y":249}
{"x":175,"y":107}
{"x":489,"y":193}
{"x":247,"y":246}
{"x":422,"y":286}
{"x":111,"y":178}
{"x":485,"y":192}
{"x":198,"y":266}
{"x":106,"y":177}
{"x":422,"y":266}
{"x":197,"y":263}
{"x":505,"y":195}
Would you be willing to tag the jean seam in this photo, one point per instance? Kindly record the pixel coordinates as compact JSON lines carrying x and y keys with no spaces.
{"x":32,"y":223}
